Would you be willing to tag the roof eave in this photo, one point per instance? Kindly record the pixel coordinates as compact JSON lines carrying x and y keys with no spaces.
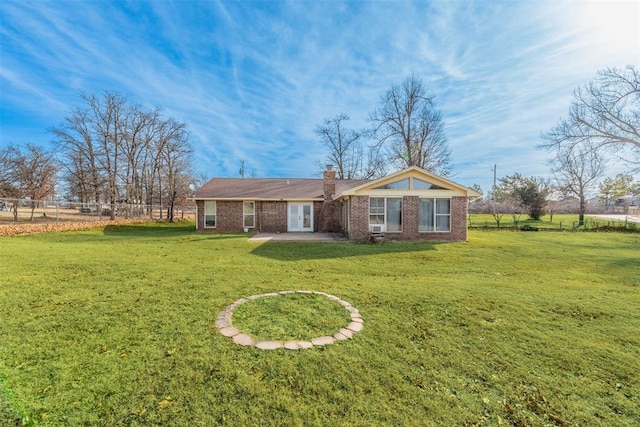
{"x":260,"y":199}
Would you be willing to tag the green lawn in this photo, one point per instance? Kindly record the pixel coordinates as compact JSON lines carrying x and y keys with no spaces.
{"x":116,"y":327}
{"x":558,"y":222}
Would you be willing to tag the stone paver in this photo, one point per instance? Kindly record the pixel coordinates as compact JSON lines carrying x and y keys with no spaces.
{"x":243,"y":339}
{"x":304,"y":344}
{"x":269,"y":345}
{"x":355,"y":326}
{"x":340,"y":337}
{"x":346,"y":332}
{"x":223,"y":323}
{"x":229,"y":331}
{"x":291,"y":345}
{"x":323,"y":340}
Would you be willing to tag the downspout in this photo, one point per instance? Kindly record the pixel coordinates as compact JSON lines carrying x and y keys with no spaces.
{"x":196,"y":214}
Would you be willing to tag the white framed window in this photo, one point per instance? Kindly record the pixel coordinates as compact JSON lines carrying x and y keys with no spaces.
{"x":434,"y":215}
{"x":376,"y":211}
{"x":387,"y":212}
{"x":248,"y":214}
{"x":210,"y":214}
{"x":443,"y":214}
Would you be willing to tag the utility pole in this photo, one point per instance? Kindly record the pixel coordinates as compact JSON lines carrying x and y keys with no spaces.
{"x":242,"y":169}
{"x":493,"y":190}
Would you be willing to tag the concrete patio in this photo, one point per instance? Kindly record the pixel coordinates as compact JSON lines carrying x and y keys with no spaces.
{"x":298,"y":237}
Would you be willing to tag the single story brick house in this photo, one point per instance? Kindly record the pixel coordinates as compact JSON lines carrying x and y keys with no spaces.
{"x":409,"y":204}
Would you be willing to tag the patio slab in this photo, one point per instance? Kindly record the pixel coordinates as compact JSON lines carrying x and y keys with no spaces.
{"x":298,"y":237}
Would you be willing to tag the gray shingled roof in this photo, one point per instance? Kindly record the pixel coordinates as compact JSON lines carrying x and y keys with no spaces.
{"x":270,"y":188}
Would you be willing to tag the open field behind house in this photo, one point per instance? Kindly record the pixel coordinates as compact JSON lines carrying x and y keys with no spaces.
{"x":115,"y":326}
{"x":62,"y":216}
{"x":559,"y":222}
{"x":56,"y":212}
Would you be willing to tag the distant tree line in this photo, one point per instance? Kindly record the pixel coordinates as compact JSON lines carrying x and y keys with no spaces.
{"x":603,"y":123}
{"x":27,"y":172}
{"x":109,"y":151}
{"x":517,"y":195}
{"x":117,"y":152}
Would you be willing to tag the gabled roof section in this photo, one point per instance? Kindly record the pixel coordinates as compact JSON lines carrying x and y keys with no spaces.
{"x":386,"y":183}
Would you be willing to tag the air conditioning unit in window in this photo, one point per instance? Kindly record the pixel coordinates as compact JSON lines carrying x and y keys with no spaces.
{"x":377,"y":229}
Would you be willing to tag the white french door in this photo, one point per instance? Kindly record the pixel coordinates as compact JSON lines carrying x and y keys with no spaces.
{"x":300,"y":217}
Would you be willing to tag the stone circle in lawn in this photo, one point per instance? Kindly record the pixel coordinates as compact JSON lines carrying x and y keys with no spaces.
{"x":226,"y":328}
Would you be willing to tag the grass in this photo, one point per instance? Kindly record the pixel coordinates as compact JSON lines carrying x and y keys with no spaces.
{"x":560,"y":222}
{"x":116,"y":327}
{"x":288,"y":317}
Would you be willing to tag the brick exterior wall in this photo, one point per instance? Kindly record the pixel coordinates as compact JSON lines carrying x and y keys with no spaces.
{"x":221,"y":212}
{"x":359,"y":221}
{"x":229,"y":217}
{"x":272,"y":217}
{"x":199,"y":214}
{"x":459,"y":218}
{"x":359,"y":227}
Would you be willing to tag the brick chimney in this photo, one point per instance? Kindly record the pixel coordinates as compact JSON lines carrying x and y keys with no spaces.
{"x":327,"y":217}
{"x":329,"y":183}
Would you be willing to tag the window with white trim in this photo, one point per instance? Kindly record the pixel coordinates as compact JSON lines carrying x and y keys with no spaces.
{"x":210,"y":214}
{"x":376,"y":211}
{"x":249,"y":214}
{"x":434,"y":215}
{"x":387,"y":212}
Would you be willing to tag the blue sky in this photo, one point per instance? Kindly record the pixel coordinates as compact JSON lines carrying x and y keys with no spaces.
{"x":252,"y":79}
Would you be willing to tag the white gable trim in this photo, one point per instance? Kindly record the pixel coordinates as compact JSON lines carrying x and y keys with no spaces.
{"x":450,"y":188}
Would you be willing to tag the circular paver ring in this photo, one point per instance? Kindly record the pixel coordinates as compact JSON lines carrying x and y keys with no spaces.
{"x":223,"y":323}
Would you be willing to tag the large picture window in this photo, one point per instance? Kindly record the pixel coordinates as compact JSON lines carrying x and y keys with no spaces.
{"x":249,"y":214}
{"x":434,"y":215}
{"x":209,"y":214}
{"x":387,"y":212}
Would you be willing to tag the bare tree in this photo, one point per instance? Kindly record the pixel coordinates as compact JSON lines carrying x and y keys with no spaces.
{"x":577,"y":171}
{"x":106,"y":115}
{"x":347,"y":150}
{"x":556,"y":198}
{"x":343,"y":144}
{"x":7,"y":187}
{"x":83,"y":174}
{"x":605,"y":114}
{"x":411,"y":129}
{"x":139,"y":128}
{"x":175,"y":156}
{"x":30,"y":174}
{"x":117,"y":152}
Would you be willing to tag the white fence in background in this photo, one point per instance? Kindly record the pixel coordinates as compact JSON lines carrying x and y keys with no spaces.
{"x":24,"y":210}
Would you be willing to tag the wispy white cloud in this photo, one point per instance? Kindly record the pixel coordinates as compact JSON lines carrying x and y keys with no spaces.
{"x":252,"y":80}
